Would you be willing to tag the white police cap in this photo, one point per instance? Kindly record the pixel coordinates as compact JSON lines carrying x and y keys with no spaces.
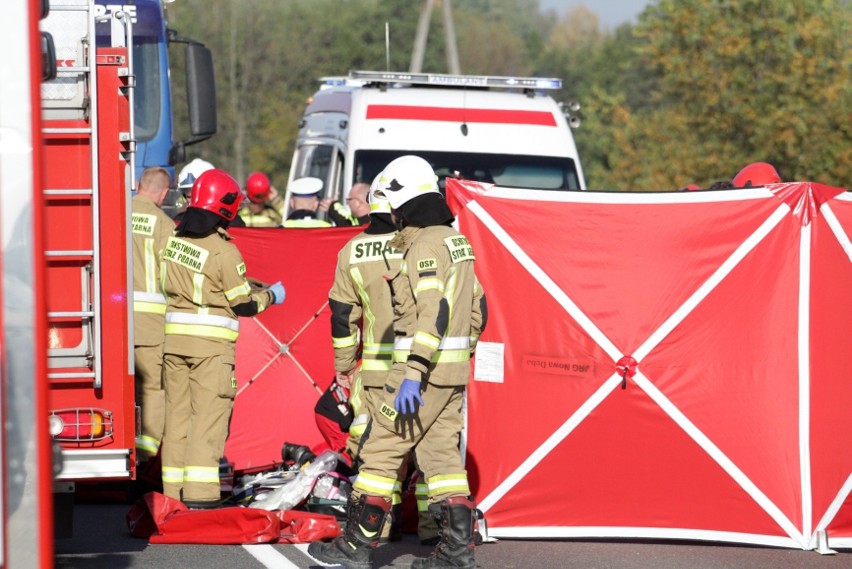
{"x":305,"y":187}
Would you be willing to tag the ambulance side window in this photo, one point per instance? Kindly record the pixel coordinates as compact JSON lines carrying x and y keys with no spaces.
{"x":323,"y":161}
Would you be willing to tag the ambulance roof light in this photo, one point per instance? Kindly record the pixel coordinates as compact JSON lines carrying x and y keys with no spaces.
{"x":457,"y":80}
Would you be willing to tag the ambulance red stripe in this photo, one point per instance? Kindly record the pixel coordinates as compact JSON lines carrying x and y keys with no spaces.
{"x":454,"y":114}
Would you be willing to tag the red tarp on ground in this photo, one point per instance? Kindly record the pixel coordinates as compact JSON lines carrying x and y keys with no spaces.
{"x":734,"y":425}
{"x":284,"y":355}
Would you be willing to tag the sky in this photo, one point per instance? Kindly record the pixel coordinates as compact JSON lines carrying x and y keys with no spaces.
{"x":611,"y":13}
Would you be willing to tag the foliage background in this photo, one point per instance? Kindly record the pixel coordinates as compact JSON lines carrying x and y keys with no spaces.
{"x":689,"y":94}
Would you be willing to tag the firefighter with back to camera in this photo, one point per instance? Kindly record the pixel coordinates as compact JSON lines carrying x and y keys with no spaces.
{"x":362,"y":327}
{"x":439,"y":313}
{"x":151,"y":230}
{"x":203,"y":277}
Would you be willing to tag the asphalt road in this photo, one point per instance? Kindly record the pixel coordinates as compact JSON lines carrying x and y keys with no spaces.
{"x":101,"y":539}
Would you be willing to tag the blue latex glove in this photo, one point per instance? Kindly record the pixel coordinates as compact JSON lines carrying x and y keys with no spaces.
{"x":409,"y":392}
{"x":278,"y":293}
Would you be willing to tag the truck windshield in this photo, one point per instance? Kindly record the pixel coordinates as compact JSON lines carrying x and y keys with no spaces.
{"x":146,"y":105}
{"x":532,"y":172}
{"x":148,"y":41}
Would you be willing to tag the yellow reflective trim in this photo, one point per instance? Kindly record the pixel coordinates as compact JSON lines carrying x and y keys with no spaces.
{"x":243,"y":289}
{"x":152,"y":307}
{"x":377,"y":365}
{"x":427,"y":339}
{"x":198,"y":288}
{"x":201,"y":474}
{"x":172,"y":474}
{"x":150,"y":266}
{"x":148,"y":444}
{"x":368,"y":315}
{"x":403,"y":267}
{"x":306,"y":223}
{"x":201,"y":330}
{"x":345,"y":342}
{"x":378,"y":349}
{"x":440,"y":356}
{"x":444,"y":483}
{"x":429,"y":283}
{"x":375,"y":485}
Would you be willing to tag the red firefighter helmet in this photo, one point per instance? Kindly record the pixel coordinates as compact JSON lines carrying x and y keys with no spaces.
{"x":257,"y":187}
{"x":216,"y":191}
{"x":756,"y":174}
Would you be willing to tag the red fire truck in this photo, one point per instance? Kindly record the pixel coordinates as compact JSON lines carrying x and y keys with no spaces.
{"x":88,"y":176}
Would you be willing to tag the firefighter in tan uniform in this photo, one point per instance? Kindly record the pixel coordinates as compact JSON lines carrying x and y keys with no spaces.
{"x":205,"y":284}
{"x":151,"y":229}
{"x":439,"y":313}
{"x":265,"y":207}
{"x":362,"y":327}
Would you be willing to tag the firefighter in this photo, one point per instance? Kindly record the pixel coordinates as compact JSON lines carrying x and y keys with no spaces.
{"x":186,"y":177}
{"x":204,"y":280}
{"x":304,"y":202}
{"x":756,"y":174}
{"x":361,"y":328}
{"x":265,"y":208}
{"x":439,"y":313}
{"x":151,"y":230}
{"x":185,"y":181}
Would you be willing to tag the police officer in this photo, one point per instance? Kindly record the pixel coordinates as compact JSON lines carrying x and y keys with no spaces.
{"x":151,"y":229}
{"x":265,"y":208}
{"x":204,"y":281}
{"x":304,"y":202}
{"x":439,"y":312}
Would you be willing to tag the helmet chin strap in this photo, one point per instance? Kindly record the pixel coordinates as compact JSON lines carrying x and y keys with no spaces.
{"x":399,"y":222}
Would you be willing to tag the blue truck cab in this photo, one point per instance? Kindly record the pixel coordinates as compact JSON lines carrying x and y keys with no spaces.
{"x":153,"y":116}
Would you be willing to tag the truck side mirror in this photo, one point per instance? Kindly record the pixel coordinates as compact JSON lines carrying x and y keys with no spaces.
{"x":48,"y":48}
{"x":200,"y":91}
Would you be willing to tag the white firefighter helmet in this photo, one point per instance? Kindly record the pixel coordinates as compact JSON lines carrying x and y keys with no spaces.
{"x":406,"y":178}
{"x":378,"y":201}
{"x":191,"y":172}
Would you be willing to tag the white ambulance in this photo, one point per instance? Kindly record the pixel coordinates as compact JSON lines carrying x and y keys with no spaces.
{"x":502,"y":130}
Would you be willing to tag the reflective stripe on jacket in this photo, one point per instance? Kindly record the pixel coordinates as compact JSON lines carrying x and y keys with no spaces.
{"x":151,"y":229}
{"x":439,"y":304}
{"x":204,"y":278}
{"x":361,"y":312}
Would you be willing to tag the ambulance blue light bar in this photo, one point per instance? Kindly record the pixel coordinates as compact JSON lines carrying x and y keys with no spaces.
{"x":457,"y":80}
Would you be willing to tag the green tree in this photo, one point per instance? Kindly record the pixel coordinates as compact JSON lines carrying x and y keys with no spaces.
{"x":750,"y":80}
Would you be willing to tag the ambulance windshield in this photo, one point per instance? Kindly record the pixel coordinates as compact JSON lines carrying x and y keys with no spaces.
{"x":513,"y":171}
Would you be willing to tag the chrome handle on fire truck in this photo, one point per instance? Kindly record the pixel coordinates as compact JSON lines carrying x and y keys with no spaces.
{"x":72,"y":375}
{"x":71,"y":314}
{"x":80,"y":253}
{"x":66,"y":131}
{"x":68,"y":192}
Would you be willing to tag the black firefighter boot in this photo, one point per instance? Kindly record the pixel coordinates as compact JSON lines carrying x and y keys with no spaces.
{"x":365,"y":516}
{"x":455,"y":518}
